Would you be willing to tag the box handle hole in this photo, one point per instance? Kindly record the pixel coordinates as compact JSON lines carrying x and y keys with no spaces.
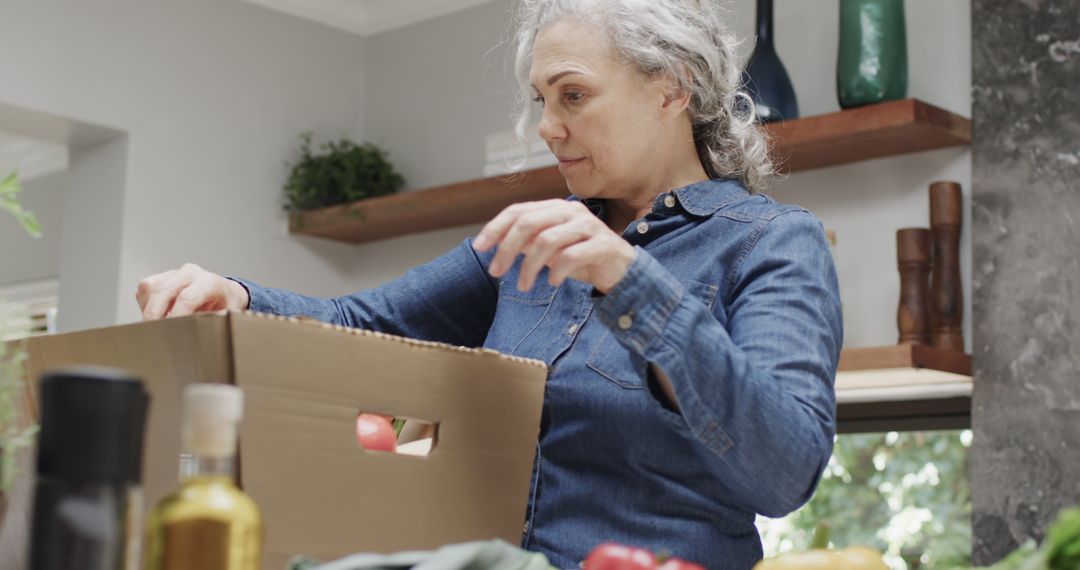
{"x":384,"y":433}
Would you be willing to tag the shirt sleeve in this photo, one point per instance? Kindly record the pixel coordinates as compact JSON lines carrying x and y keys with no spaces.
{"x":450,"y":299}
{"x":757,"y":392}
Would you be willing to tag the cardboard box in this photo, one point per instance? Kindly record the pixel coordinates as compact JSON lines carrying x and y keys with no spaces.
{"x":304,"y":383}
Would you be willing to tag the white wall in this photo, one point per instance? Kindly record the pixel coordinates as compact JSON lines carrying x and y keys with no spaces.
{"x":212,"y":96}
{"x":92,"y":234}
{"x":435,"y":89}
{"x":23,"y":258}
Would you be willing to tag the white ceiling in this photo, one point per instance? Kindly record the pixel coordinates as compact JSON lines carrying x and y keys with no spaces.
{"x":367,"y":17}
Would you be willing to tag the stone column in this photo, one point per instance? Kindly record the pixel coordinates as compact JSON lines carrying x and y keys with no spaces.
{"x":1025,"y":462}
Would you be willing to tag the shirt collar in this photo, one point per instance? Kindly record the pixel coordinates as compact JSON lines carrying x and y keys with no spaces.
{"x":703,"y":198}
{"x":595,"y":205}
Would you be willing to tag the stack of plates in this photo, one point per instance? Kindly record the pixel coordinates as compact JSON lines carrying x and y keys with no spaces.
{"x":507,"y":155}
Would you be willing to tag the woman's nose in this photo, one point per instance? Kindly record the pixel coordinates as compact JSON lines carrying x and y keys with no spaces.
{"x":551,"y":128}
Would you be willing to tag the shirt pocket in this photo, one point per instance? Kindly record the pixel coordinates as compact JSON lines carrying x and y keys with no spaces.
{"x":518,"y":314}
{"x":627,"y":369}
{"x":542,"y":292}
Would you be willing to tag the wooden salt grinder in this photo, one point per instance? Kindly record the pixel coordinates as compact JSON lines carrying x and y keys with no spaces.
{"x":913,"y":262}
{"x":946,"y":293}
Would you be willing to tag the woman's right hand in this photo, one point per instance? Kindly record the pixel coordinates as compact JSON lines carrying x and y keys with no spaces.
{"x":190,"y":289}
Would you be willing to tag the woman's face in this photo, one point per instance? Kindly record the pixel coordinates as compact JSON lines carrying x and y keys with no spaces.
{"x":603,"y":120}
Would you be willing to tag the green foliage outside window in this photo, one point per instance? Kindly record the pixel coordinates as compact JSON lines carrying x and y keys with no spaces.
{"x":905,"y":494}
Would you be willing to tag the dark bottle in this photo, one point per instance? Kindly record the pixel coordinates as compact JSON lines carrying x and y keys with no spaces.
{"x":766,"y":79}
{"x":87,"y":499}
{"x":871,"y":66}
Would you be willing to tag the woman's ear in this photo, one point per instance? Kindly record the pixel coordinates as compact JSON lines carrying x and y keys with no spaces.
{"x":679,"y":99}
{"x":675,"y":97}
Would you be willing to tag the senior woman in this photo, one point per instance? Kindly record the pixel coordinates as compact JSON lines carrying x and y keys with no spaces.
{"x":691,"y":324}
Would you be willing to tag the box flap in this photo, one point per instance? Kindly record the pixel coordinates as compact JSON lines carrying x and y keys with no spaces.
{"x":166,"y":355}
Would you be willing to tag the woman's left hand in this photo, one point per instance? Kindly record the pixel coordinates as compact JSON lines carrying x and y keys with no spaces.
{"x":561,"y":235}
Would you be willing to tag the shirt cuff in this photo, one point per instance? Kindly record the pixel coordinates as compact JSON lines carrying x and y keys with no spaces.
{"x":258,"y":301}
{"x":638,"y":308}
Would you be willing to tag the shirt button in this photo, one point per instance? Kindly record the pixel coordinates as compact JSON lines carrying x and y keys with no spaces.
{"x":625,"y":322}
{"x":642,"y":227}
{"x":572,"y":329}
{"x":669,"y":201}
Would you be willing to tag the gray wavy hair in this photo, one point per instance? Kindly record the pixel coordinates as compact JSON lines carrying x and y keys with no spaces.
{"x":683,"y":38}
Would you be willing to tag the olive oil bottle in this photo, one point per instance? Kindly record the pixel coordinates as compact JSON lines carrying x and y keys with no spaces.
{"x":208,"y":523}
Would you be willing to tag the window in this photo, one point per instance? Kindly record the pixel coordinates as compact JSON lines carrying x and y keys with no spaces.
{"x":28,"y":309}
{"x":904,"y":493}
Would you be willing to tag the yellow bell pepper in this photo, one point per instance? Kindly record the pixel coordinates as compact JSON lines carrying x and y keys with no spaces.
{"x":852,"y":558}
{"x":820,"y":557}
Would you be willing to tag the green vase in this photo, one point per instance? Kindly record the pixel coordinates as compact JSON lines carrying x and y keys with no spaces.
{"x":872,"y":63}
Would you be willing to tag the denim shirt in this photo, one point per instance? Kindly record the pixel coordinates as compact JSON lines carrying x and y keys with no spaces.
{"x":733,"y":296}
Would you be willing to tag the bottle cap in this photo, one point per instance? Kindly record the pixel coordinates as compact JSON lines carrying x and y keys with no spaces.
{"x":211,"y":415}
{"x":92,"y":421}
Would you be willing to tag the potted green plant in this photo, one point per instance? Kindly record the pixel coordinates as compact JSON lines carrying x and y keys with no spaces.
{"x":13,"y":436}
{"x":343,"y":172}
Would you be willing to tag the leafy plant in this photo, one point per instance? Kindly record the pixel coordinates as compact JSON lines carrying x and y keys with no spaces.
{"x":9,"y":190}
{"x":1063,"y":541}
{"x":1059,"y":551}
{"x":343,"y":172}
{"x":12,"y":437}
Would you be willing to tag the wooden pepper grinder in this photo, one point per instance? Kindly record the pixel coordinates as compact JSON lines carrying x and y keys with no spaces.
{"x":946,"y":293}
{"x":913,"y":261}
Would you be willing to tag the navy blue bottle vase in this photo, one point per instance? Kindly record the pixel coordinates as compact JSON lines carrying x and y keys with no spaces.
{"x":766,"y":79}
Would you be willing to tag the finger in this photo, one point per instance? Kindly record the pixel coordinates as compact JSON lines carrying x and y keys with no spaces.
{"x":574,"y":259}
{"x":191,"y":298}
{"x":146,"y":286}
{"x":492,"y":233}
{"x":521,"y":233}
{"x":163,"y":293}
{"x":544,"y":246}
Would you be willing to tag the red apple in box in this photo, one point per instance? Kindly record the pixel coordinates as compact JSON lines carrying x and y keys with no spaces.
{"x":612,"y":556}
{"x":374,"y":432}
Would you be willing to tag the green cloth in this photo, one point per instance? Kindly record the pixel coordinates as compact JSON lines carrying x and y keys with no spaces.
{"x":481,"y":555}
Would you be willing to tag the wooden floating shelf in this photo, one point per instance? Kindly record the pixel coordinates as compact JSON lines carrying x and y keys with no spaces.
{"x":903,"y":387}
{"x":419,"y":211}
{"x":874,"y":131}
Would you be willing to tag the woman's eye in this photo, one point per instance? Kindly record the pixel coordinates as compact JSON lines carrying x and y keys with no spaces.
{"x":569,"y":97}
